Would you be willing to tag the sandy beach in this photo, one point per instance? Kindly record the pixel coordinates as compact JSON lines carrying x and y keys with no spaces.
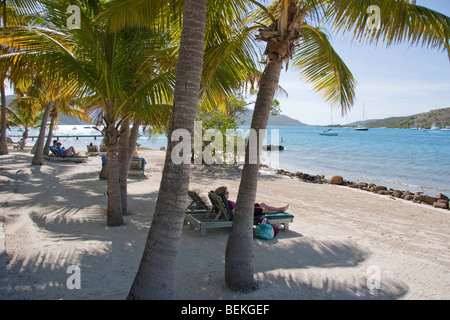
{"x":342,"y":240}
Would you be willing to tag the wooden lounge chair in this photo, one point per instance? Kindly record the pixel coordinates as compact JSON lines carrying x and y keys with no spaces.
{"x":55,"y":156}
{"x":224,"y":216}
{"x":93,"y":151}
{"x":137,"y":166}
{"x":217,"y":217}
{"x":197,"y":203}
{"x":18,"y":145}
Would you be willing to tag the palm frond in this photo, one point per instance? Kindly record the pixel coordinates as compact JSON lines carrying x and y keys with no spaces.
{"x":400,"y":21}
{"x":322,"y":67}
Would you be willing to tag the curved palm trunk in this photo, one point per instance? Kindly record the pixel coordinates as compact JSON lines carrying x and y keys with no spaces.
{"x":3,"y":141}
{"x":156,"y":273}
{"x":53,"y":115}
{"x":114,"y":206}
{"x":239,"y":250}
{"x":38,"y":158}
{"x":134,"y":135}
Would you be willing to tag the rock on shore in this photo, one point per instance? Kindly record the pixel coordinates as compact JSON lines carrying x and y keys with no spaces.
{"x":438,"y":201}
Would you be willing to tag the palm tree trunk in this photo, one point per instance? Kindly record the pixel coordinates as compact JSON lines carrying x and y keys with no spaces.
{"x":134,"y":135}
{"x":156,"y":273}
{"x":24,"y":138}
{"x":127,"y":144}
{"x":123,"y":164}
{"x":38,"y":158}
{"x":239,"y":250}
{"x":111,"y":138}
{"x":3,"y":142}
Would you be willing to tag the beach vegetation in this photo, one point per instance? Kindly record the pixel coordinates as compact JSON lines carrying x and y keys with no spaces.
{"x":115,"y":75}
{"x":9,"y":17}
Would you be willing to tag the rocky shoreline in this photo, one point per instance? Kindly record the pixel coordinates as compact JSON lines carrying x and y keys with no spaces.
{"x":438,"y":201}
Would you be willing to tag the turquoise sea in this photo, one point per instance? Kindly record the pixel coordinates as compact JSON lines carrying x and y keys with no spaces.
{"x":405,"y":159}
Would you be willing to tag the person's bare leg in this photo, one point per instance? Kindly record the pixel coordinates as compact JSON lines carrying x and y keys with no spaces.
{"x":74,"y":152}
{"x":270,"y":209}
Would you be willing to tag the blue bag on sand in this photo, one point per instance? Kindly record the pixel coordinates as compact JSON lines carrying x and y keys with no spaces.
{"x":264,"y":230}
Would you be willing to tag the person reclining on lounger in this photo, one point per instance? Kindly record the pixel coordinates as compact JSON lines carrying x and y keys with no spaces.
{"x":260,"y":208}
{"x":70,"y":152}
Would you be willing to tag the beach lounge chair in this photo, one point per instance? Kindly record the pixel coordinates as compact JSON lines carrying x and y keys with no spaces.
{"x":137,"y":166}
{"x":217,"y":217}
{"x":197,"y":203}
{"x":56,"y":156}
{"x":224,"y":216}
{"x":93,"y":151}
{"x":18,"y":145}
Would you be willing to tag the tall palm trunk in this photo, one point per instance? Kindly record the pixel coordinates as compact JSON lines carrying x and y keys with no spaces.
{"x":38,"y":158}
{"x":239,"y":250}
{"x":3,"y":141}
{"x":111,"y":137}
{"x":156,"y":273}
{"x":126,"y":150}
{"x":134,"y":135}
{"x":24,"y":137}
{"x":123,"y":164}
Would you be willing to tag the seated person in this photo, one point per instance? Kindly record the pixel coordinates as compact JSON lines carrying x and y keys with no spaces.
{"x":259,"y":209}
{"x":92,"y":148}
{"x":70,"y":152}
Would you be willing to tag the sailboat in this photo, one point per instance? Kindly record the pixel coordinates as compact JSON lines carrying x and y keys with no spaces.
{"x":360,"y":127}
{"x":329,"y":132}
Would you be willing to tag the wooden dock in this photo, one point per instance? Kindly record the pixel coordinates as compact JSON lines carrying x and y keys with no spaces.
{"x":57,"y":137}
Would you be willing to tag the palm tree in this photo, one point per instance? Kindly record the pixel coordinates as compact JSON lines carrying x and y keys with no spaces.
{"x":9,"y":16}
{"x":65,"y":104}
{"x":321,"y":66}
{"x":26,"y":109}
{"x":98,"y":65}
{"x":156,"y":271}
{"x":155,"y":280}
{"x":48,"y":92}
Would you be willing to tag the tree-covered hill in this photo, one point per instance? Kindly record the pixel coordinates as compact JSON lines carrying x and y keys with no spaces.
{"x":438,"y":117}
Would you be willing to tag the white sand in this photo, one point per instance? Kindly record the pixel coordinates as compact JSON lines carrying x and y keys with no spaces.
{"x":52,"y":217}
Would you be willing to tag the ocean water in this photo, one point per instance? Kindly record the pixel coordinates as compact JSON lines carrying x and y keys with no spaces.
{"x":405,"y":159}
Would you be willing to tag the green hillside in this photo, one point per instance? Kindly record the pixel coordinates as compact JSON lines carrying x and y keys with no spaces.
{"x":278,"y":120}
{"x":439,"y":117}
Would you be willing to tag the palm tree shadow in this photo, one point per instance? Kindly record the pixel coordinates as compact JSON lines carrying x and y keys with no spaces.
{"x":307,"y":252}
{"x":318,"y":277}
{"x":326,"y":287}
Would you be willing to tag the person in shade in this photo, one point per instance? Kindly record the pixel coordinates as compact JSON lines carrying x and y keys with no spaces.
{"x":259,"y":208}
{"x":70,"y":152}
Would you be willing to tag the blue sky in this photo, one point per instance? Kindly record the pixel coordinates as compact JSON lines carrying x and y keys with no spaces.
{"x":396,"y":81}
